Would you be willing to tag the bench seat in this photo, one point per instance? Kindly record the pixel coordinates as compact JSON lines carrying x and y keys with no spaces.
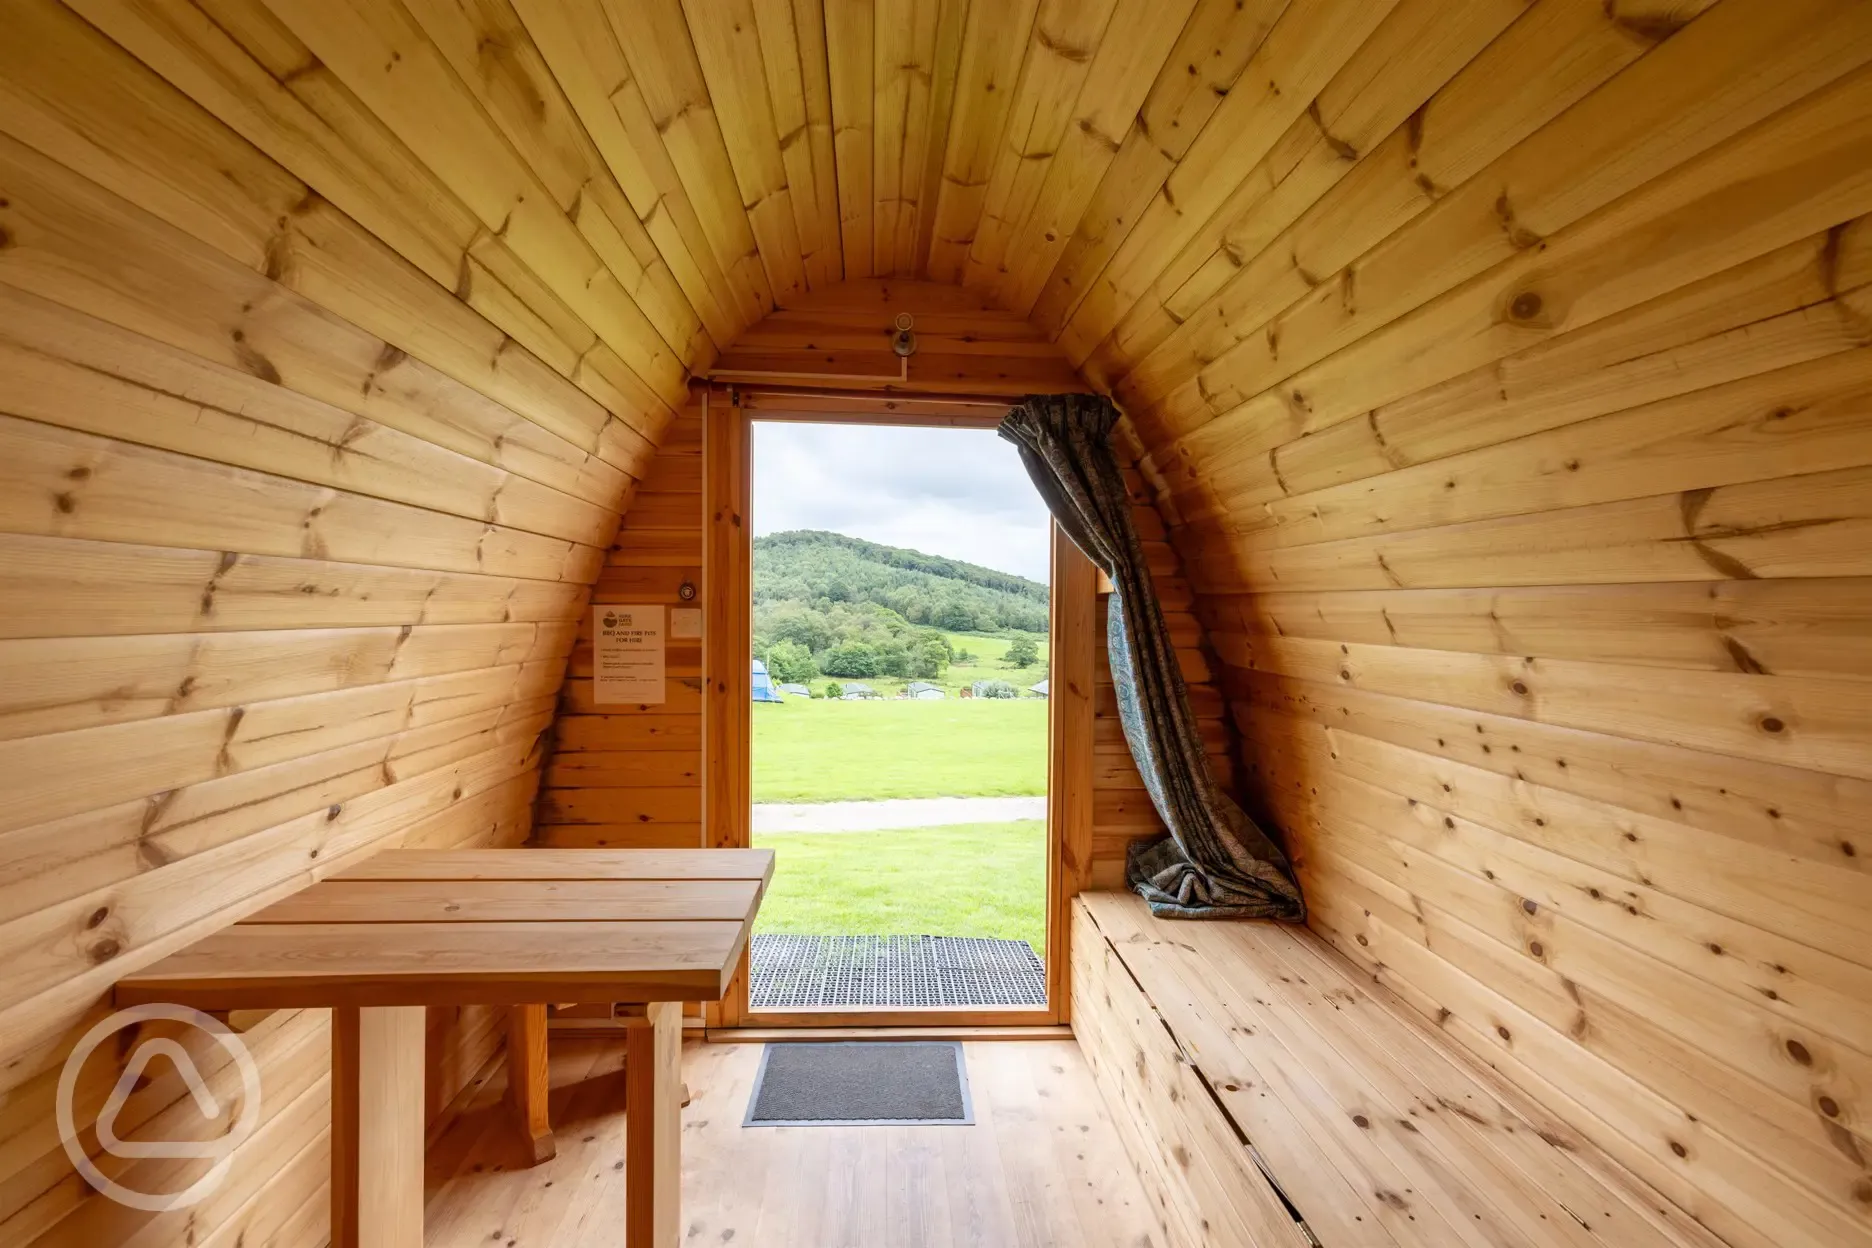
{"x":1270,"y":1095}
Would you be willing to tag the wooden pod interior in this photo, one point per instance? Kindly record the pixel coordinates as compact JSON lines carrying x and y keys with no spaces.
{"x":1497,"y":379}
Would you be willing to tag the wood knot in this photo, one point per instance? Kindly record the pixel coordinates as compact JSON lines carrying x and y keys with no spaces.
{"x":97,"y":918}
{"x":1799,"y":1053}
{"x":1361,"y":1122}
{"x":1526,"y":306}
{"x":1529,"y":905}
{"x":1505,"y":1034}
{"x":1770,"y":724}
{"x":104,"y":951}
{"x":1534,"y":947}
{"x":1829,"y":1107}
{"x":1679,"y":1149}
{"x":1520,"y":687}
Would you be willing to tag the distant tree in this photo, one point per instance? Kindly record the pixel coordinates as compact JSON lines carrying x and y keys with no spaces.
{"x":790,"y":663}
{"x":965,"y":656}
{"x":1023,"y":652}
{"x":850,"y":658}
{"x":792,"y":621}
{"x":930,"y":661}
{"x":995,"y":689}
{"x":834,"y":690}
{"x":893,"y":659}
{"x":955,"y":614}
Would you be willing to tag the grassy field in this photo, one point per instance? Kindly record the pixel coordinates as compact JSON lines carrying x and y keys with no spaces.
{"x":990,"y":662}
{"x":819,"y":751}
{"x":973,"y":879}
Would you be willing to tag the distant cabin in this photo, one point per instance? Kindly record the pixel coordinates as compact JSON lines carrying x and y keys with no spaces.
{"x":858,"y":691}
{"x":797,"y":691}
{"x":764,"y":690}
{"x":1039,"y":690}
{"x":923,"y":691}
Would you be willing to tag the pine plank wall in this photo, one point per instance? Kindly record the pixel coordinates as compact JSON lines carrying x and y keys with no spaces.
{"x":1498,"y":370}
{"x":630,"y":777}
{"x":1521,"y":462}
{"x":299,"y":504}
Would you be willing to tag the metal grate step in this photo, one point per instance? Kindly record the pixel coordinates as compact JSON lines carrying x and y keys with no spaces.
{"x":902,"y":972}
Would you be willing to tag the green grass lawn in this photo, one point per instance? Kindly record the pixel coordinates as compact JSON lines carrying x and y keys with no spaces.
{"x":820,"y":751}
{"x":973,"y":879}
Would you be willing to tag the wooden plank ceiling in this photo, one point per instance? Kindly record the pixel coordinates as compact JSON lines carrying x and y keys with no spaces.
{"x":635,"y":182}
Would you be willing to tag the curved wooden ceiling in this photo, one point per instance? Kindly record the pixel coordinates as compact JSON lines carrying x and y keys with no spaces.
{"x":635,"y":182}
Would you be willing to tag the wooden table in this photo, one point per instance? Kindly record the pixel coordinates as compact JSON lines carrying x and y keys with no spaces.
{"x":408,"y":929}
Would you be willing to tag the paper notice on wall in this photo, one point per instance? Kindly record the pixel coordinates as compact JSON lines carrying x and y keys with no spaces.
{"x":685,"y":623}
{"x":627,"y":654}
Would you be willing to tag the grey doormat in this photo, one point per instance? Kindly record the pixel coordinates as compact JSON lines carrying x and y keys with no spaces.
{"x":905,"y":972}
{"x":901,"y":1082}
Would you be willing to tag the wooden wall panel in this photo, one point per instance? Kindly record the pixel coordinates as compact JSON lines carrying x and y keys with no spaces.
{"x":631,"y":776}
{"x":300,"y":504}
{"x":1524,"y":511}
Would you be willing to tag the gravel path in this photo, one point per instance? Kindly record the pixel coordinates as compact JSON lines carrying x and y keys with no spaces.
{"x":917,"y":812}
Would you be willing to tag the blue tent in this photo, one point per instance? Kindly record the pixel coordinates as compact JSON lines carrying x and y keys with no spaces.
{"x":764,"y":690}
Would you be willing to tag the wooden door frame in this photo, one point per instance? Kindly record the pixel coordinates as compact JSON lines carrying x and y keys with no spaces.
{"x":727,"y":481}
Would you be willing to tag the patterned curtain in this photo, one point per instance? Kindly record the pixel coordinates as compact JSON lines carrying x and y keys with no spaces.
{"x":1215,"y":863}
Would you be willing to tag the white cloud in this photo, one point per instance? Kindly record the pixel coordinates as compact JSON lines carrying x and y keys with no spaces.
{"x":961,"y":493}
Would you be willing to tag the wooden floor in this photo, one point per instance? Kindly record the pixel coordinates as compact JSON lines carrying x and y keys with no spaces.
{"x":1041,"y":1166}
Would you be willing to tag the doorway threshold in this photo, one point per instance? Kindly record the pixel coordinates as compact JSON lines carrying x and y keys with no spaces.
{"x":894,"y":972}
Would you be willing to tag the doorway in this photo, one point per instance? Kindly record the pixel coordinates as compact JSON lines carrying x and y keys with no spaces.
{"x":900,"y":739}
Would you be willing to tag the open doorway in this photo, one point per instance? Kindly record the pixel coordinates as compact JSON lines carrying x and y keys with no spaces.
{"x":899,"y":640}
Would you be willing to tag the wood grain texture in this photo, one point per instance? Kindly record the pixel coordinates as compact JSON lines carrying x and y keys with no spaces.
{"x":1560,"y":759}
{"x":406,"y":930}
{"x":1496,"y":417}
{"x":296,"y":440}
{"x":1376,"y":1130}
{"x":1041,"y":1166}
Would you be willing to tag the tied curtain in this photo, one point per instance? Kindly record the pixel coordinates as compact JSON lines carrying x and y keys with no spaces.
{"x":1216,"y":863}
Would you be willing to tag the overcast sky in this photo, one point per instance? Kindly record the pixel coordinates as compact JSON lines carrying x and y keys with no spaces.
{"x":961,"y":493}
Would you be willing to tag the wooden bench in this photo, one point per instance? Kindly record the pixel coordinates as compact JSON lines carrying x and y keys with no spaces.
{"x":1262,"y":1082}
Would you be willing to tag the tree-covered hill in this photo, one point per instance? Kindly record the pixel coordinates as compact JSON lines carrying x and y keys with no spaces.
{"x":813,"y":567}
{"x":830,"y":605}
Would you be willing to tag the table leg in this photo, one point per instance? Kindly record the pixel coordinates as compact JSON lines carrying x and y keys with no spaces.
{"x":377,"y":1127}
{"x":653,"y":1125}
{"x":528,"y":1080}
